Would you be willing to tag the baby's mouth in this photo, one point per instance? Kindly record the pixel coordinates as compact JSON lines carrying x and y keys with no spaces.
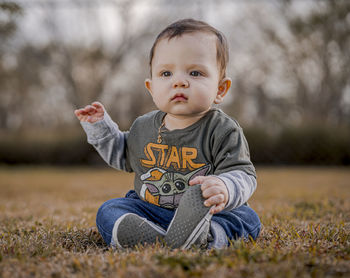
{"x":179,"y":97}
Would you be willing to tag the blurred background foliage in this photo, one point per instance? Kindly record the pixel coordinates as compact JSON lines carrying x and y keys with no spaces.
{"x":289,"y":61}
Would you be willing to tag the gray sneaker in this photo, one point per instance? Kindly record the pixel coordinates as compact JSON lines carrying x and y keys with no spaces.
{"x":191,"y":221}
{"x":130,"y":230}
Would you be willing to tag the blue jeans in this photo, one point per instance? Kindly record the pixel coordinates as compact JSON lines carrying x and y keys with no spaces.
{"x":237,"y":223}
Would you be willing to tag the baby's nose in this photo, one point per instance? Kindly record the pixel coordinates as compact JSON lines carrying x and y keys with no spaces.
{"x":180,"y":82}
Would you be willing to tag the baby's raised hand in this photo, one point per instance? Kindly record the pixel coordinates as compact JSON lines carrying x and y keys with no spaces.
{"x":91,"y":113}
{"x":214,"y":191}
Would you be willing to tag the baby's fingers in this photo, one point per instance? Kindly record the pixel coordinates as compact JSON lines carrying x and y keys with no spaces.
{"x":197,"y":180}
{"x":98,"y":105}
{"x":215,"y":200}
{"x":79,"y":113}
{"x":89,"y":109}
{"x":217,"y":208}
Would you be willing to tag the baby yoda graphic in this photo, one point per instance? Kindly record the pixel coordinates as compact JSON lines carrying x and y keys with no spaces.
{"x":164,"y":188}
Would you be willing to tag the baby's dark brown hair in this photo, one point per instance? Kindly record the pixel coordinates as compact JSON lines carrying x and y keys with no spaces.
{"x":186,"y":26}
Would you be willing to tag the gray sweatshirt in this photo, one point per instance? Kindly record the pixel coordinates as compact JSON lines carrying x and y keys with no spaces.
{"x":214,"y":145}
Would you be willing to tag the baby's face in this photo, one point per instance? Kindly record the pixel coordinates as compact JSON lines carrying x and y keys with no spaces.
{"x":185,"y":74}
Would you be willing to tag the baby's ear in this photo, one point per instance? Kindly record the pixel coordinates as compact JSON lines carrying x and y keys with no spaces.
{"x":223,"y":88}
{"x":148,"y":85}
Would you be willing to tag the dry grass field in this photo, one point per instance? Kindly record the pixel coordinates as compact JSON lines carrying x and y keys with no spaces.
{"x":47,"y":228}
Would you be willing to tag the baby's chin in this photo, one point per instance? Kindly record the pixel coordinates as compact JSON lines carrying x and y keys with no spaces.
{"x":182,"y":109}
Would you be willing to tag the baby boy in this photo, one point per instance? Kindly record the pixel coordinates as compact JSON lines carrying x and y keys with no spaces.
{"x":193,"y":174}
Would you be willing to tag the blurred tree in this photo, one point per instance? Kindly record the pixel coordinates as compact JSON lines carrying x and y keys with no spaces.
{"x":43,"y":82}
{"x":293,"y":66}
{"x":324,"y":39}
{"x":9,"y":12}
{"x":52,"y":77}
{"x":86,"y":73}
{"x":299,"y":70}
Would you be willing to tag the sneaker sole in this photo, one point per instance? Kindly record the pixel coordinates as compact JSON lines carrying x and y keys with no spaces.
{"x":130,"y":230}
{"x":190,"y":220}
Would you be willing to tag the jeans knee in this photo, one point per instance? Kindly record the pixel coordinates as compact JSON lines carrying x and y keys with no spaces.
{"x":111,"y":210}
{"x":103,"y":213}
{"x":256,"y":225}
{"x":100,"y":212}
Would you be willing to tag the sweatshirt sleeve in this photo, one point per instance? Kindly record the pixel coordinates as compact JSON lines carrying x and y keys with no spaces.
{"x":231,"y":152}
{"x":240,"y":187}
{"x":108,"y":140}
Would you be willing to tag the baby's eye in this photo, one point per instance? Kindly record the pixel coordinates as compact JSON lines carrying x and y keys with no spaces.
{"x":166,"y":73}
{"x":195,"y":73}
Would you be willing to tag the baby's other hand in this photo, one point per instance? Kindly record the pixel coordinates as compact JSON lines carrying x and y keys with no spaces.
{"x":214,"y":191}
{"x":91,"y":113}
